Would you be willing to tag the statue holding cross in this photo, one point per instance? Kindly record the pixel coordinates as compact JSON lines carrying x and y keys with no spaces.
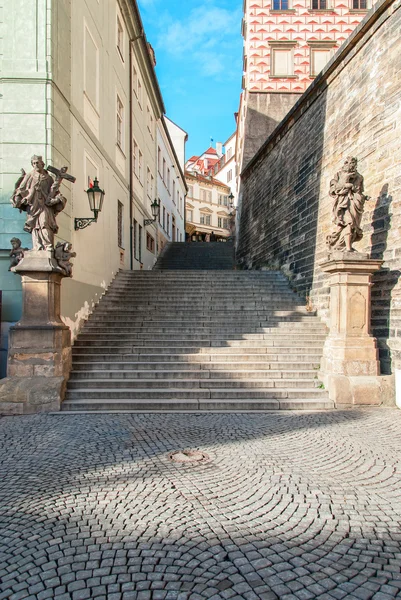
{"x":38,"y":194}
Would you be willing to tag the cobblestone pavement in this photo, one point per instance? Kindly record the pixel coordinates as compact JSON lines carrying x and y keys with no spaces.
{"x":290,"y":505}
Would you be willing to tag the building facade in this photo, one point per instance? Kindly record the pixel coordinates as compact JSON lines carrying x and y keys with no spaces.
{"x":225,"y":169}
{"x":207,"y":208}
{"x":79,"y":88}
{"x":286,"y":44}
{"x":171,"y":186}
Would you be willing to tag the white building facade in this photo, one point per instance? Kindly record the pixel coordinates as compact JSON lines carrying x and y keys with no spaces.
{"x":79,"y":88}
{"x":207,"y":208}
{"x":171,"y":186}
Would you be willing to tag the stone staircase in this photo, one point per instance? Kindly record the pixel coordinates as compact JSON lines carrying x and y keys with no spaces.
{"x":212,"y":256}
{"x":198,"y":340}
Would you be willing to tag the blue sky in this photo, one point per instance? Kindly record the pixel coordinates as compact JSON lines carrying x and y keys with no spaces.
{"x":198,"y":49}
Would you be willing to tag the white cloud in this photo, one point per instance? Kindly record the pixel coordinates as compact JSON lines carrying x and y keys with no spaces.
{"x":206,"y":37}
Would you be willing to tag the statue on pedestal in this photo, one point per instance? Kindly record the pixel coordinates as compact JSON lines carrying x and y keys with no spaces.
{"x":38,"y":194}
{"x":347,"y":189}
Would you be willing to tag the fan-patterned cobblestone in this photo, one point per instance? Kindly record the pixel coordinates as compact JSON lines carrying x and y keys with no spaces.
{"x":292,"y":506}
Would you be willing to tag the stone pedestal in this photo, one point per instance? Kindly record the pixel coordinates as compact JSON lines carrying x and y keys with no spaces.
{"x":350,"y":366}
{"x":39,"y":356}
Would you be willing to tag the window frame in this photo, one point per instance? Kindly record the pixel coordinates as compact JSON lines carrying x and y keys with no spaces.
{"x":276,"y":46}
{"x":316,"y":46}
{"x":150,"y":243}
{"x":120,"y":224}
{"x":120,"y":123}
{"x":120,"y":39}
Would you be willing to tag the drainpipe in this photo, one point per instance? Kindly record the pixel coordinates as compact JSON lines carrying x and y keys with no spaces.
{"x":131,"y":193}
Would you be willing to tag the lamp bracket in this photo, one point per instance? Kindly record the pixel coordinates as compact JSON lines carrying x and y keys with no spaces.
{"x":147,"y":222}
{"x":81,"y":222}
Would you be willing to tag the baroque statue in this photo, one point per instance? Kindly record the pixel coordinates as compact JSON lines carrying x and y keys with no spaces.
{"x":16,"y":253}
{"x":349,"y":200}
{"x":38,"y":194}
{"x":63,"y":254}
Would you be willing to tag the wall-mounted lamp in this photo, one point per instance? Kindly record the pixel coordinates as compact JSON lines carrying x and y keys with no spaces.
{"x":95,"y":197}
{"x":155,"y":208}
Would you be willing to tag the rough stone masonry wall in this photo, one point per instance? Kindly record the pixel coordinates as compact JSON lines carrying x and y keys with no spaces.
{"x":352,"y":108}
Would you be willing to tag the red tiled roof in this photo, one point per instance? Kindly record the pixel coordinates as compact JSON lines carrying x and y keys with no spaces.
{"x":193,"y":159}
{"x":210,"y":151}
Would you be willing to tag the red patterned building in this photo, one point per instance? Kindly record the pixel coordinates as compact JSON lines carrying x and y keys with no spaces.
{"x":286,"y":44}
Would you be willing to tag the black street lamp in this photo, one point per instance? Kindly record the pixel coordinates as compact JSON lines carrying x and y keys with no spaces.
{"x":95,"y":197}
{"x":155,"y":208}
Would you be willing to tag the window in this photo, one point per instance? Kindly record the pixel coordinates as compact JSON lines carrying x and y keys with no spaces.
{"x":91,"y":68}
{"x":205,"y":219}
{"x":135,"y":158}
{"x":159,"y":160}
{"x":359,"y":4}
{"x":190,"y":191}
{"x":168,"y":180}
{"x":168,"y":224}
{"x":223,"y":200}
{"x":150,"y":121}
{"x":135,"y":81}
{"x":319,"y":57}
{"x":281,"y":4}
{"x":150,"y":183}
{"x":150,"y":243}
{"x":190,"y":215}
{"x":222,"y":222}
{"x":203,"y":195}
{"x":120,"y":121}
{"x":140,"y":93}
{"x":164,"y":170}
{"x":229,"y":175}
{"x":209,"y":196}
{"x":140,"y":165}
{"x":173,"y":192}
{"x":120,"y":213}
{"x":282,"y":61}
{"x":120,"y":38}
{"x":319,"y":4}
{"x":178,"y":200}
{"x":164,"y":218}
{"x":229,"y":153}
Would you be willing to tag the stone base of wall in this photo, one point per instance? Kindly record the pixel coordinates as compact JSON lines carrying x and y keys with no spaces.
{"x":361,"y":391}
{"x":30,"y":395}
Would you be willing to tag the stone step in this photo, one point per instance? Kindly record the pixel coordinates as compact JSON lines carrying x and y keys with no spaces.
{"x":269,"y":354}
{"x":117,"y":336}
{"x":171,"y":405}
{"x":188,"y":374}
{"x":271,"y":315}
{"x":214,"y":346}
{"x":111,"y":320}
{"x":150,"y":329}
{"x":240,"y":318}
{"x":87,"y":365}
{"x":190,"y":384}
{"x":193,"y":394}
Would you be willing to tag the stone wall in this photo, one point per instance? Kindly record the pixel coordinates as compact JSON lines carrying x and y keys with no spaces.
{"x":352,"y":108}
{"x":263,"y":113}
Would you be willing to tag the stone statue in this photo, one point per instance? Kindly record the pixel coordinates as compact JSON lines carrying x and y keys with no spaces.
{"x":16,"y":253}
{"x":63,"y":254}
{"x":347,"y":190}
{"x":39,"y":196}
